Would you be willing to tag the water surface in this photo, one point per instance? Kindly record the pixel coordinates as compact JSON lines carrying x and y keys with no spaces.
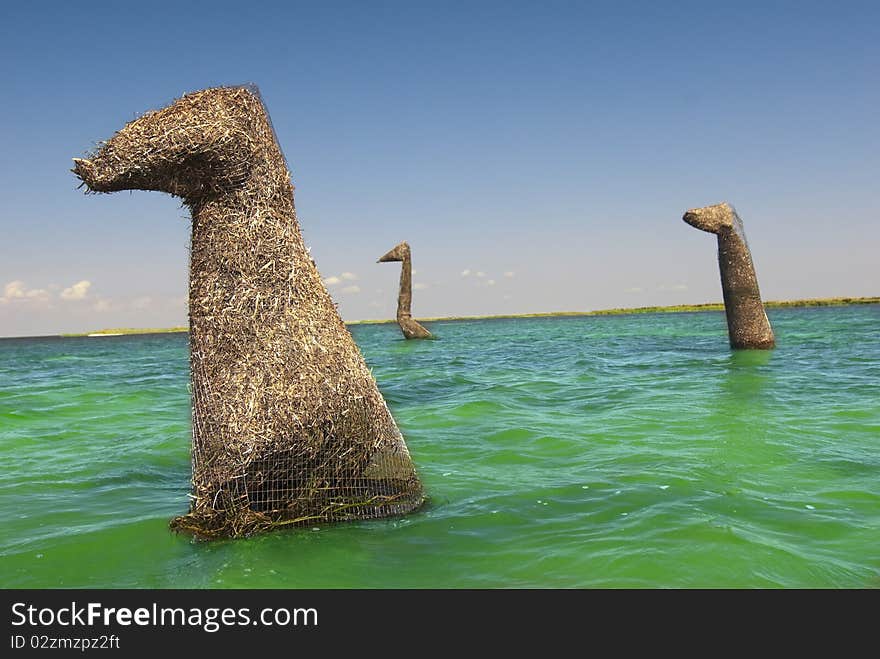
{"x":619,"y":451}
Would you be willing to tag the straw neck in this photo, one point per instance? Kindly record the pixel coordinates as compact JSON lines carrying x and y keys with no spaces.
{"x":247,"y":252}
{"x":747,"y":321}
{"x":404,"y":296}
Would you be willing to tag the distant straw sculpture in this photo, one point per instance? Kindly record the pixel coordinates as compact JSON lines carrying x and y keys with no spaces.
{"x":289,"y":426}
{"x":410,"y":328}
{"x":747,"y":323}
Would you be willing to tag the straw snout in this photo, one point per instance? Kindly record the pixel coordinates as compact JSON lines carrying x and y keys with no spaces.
{"x":84,"y":169}
{"x":710,"y":218}
{"x":104,"y":172}
{"x":397,"y":253}
{"x":94,"y":175}
{"x":187,"y":168}
{"x":692,"y":217}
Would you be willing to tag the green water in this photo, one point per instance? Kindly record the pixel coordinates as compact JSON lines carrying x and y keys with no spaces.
{"x":623,"y":451}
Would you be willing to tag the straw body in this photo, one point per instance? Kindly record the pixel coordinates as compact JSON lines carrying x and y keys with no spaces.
{"x":747,"y":324}
{"x":289,"y":426}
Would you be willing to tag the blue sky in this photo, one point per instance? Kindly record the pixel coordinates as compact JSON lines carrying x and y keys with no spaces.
{"x":547,"y":148}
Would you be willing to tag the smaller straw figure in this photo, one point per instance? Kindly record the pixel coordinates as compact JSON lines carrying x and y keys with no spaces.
{"x":410,"y":328}
{"x":747,"y":323}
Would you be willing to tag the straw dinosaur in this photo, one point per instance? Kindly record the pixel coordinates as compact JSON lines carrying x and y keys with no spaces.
{"x":289,"y":426}
{"x":747,"y":323}
{"x":410,"y":328}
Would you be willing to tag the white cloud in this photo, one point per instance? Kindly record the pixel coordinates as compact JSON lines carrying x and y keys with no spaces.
{"x":414,"y":271}
{"x":141,"y":303}
{"x":102,"y":305}
{"x":16,"y":290}
{"x":480,"y":275}
{"x":352,"y":289}
{"x":673,"y":287}
{"x":76,"y":292}
{"x":419,"y":286}
{"x":634,"y":289}
{"x":338,"y":279}
{"x":509,"y":273}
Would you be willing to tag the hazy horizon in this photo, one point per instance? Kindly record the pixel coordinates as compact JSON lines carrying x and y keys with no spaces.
{"x":536,"y":161}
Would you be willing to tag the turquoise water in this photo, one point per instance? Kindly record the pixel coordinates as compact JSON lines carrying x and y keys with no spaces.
{"x":620,"y":451}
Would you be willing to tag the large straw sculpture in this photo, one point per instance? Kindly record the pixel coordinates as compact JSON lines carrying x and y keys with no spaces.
{"x":289,"y":426}
{"x":747,"y":323}
{"x":410,"y":328}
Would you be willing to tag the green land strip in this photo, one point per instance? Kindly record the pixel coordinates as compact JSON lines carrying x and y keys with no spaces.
{"x":680,"y":308}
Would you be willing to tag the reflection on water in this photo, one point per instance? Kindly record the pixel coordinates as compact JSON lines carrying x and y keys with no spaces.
{"x":748,"y":376}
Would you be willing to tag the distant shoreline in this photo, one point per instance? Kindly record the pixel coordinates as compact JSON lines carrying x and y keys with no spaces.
{"x":680,"y":308}
{"x":120,"y":331}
